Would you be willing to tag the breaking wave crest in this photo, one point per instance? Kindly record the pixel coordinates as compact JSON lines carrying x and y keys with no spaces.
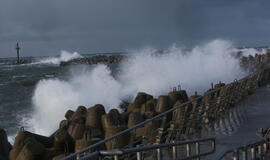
{"x":64,"y":57}
{"x":252,"y":51}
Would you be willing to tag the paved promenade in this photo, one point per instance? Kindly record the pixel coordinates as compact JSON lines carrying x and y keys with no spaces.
{"x":252,"y":113}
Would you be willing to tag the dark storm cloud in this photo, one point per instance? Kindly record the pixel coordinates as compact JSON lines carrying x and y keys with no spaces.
{"x":45,"y":27}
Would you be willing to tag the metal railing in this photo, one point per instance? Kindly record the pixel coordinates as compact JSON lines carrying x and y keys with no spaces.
{"x":251,"y":151}
{"x":185,"y":117}
{"x":139,"y":152}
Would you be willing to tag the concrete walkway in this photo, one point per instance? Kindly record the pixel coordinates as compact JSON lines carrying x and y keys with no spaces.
{"x":253,"y":113}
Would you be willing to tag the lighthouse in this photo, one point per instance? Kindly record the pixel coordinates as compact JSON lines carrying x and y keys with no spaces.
{"x":18,"y":53}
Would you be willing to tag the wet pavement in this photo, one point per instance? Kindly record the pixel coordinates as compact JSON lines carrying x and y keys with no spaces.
{"x":245,"y":119}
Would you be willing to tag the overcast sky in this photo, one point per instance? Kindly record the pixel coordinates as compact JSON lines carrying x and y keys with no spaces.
{"x":44,"y":27}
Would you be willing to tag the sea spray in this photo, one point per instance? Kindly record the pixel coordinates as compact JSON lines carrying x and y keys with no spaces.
{"x":252,"y":51}
{"x":64,"y":57}
{"x":145,"y":71}
{"x":53,"y":97}
{"x":194,"y":70}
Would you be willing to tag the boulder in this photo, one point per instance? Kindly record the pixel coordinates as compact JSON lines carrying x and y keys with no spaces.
{"x":32,"y":150}
{"x":123,"y":106}
{"x":18,"y":144}
{"x":108,"y":120}
{"x":91,"y":132}
{"x":114,"y":112}
{"x":178,"y":96}
{"x":148,"y":108}
{"x":179,"y":113}
{"x":76,"y":130}
{"x":125,"y":116}
{"x":208,"y":97}
{"x":94,"y":114}
{"x":64,"y":124}
{"x":83,"y":143}
{"x":223,"y":91}
{"x":134,"y":118}
{"x":80,"y":115}
{"x":4,"y":144}
{"x":120,"y":141}
{"x":141,"y":98}
{"x":112,"y":119}
{"x":194,"y":96}
{"x":61,"y":156}
{"x":69,"y":114}
{"x":133,"y":108}
{"x":163,"y":104}
{"x":63,"y":142}
{"x":150,"y":131}
{"x":50,"y":153}
{"x":219,"y":85}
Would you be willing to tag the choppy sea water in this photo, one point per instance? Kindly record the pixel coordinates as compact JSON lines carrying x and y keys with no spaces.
{"x":17,"y":85}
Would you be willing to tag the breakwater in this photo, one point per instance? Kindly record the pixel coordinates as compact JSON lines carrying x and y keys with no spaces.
{"x":94,"y":60}
{"x":79,"y":119}
{"x":185,"y":120}
{"x":252,"y":63}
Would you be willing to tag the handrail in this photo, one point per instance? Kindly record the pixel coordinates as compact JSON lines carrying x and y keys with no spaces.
{"x":117,"y":152}
{"x":153,"y":118}
{"x":244,"y":149}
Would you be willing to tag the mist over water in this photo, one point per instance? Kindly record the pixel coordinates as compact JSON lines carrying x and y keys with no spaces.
{"x":144,"y":71}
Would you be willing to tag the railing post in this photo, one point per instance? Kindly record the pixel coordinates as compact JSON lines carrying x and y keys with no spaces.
{"x":174,"y":152}
{"x":235,"y":155}
{"x":244,"y":155}
{"x":265,"y":147}
{"x":78,"y":156}
{"x":260,"y":151}
{"x":252,"y":150}
{"x":170,"y":132}
{"x":197,"y":149}
{"x":213,"y":145}
{"x":188,"y":150}
{"x":159,"y":154}
{"x":139,"y":156}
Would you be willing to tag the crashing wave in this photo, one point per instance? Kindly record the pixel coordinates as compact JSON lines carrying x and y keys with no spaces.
{"x":64,"y":57}
{"x":144,"y":71}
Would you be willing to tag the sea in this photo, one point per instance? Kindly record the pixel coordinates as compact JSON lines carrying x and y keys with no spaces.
{"x":17,"y":84}
{"x":36,"y":95}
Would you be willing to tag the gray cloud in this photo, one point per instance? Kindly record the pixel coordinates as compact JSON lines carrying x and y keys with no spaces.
{"x":46,"y":27}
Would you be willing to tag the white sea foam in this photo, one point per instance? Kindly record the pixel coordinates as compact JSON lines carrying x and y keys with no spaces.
{"x":53,"y":97}
{"x":194,"y":70}
{"x":252,"y":51}
{"x":64,"y":57}
{"x":11,"y":138}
